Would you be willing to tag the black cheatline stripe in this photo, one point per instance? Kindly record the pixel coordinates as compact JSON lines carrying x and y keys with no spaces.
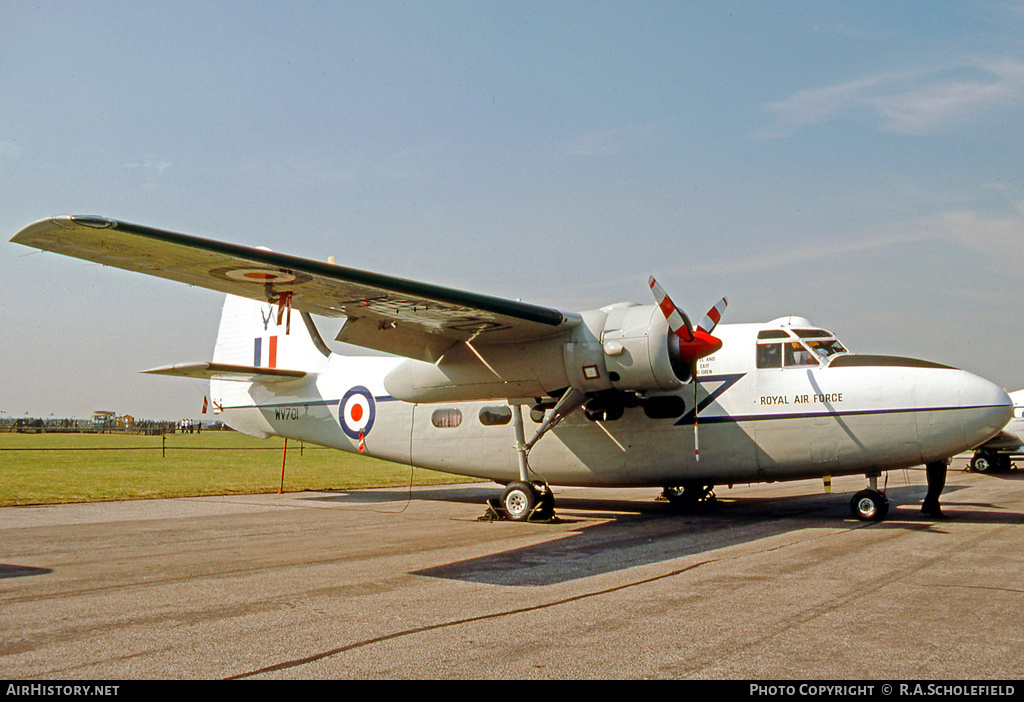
{"x":850,"y":413}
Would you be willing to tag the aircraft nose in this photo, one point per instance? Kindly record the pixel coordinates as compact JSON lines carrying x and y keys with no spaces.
{"x":987,"y":409}
{"x":956,"y":413}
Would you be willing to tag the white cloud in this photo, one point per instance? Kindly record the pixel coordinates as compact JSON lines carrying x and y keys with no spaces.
{"x":911,"y":102}
{"x":999,"y":239}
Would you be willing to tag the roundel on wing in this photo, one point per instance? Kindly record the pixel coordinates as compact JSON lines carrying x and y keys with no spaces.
{"x":262,"y":275}
{"x":356,"y":412}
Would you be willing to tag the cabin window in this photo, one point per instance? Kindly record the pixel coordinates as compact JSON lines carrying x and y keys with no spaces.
{"x":447,"y":418}
{"x":769,"y":355}
{"x":495,"y":416}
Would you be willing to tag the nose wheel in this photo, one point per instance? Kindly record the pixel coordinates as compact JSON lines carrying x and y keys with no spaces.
{"x":869,"y":506}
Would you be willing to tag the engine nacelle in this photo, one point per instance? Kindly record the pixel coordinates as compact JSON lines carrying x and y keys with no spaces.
{"x":625,"y":347}
{"x":641,"y":353}
{"x":635,"y":351}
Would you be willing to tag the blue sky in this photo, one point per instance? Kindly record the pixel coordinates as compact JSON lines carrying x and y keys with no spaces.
{"x":858,"y":164}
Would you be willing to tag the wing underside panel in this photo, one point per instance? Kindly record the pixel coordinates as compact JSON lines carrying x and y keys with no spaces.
{"x":409,"y":318}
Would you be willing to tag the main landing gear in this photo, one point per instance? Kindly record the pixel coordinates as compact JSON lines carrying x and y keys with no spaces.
{"x":689,"y":495}
{"x":523,"y":502}
{"x":990,"y":462}
{"x":526,"y":499}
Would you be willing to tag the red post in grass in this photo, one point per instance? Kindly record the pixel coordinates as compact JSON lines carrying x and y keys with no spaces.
{"x":284,"y":454}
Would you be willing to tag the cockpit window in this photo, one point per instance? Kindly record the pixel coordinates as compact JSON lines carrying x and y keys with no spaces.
{"x":826,"y":347}
{"x":789,"y":354}
{"x":769,"y":355}
{"x":797,"y":355}
{"x":815,"y":346}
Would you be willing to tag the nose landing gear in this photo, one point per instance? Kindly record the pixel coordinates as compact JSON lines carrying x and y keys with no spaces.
{"x":870,"y":505}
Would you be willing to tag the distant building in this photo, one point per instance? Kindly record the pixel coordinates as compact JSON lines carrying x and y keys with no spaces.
{"x":103,"y":418}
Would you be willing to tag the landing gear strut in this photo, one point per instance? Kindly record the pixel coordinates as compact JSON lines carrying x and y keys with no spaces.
{"x":527,"y":499}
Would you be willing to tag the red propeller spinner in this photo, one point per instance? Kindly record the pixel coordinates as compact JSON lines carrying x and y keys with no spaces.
{"x":693,"y":343}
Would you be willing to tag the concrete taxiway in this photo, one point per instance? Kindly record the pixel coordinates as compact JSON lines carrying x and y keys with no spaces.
{"x":777,"y":581}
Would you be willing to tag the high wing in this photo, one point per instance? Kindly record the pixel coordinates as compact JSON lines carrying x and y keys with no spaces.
{"x":394,"y":315}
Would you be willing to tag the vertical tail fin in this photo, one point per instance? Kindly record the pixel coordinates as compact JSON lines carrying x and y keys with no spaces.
{"x":254,"y":334}
{"x":260,"y":334}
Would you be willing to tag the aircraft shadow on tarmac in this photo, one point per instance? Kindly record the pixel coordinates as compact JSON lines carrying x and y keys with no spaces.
{"x":637,"y":533}
{"x":9,"y":570}
{"x":616,"y":534}
{"x":373,"y":496}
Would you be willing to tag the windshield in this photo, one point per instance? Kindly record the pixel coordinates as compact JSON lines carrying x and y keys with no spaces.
{"x":826,"y":347}
{"x":815,"y":346}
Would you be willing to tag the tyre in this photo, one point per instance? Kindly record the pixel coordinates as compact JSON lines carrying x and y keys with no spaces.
{"x":545,"y":505}
{"x":688,"y":494}
{"x":518,"y":501}
{"x":983,"y":462}
{"x":869,"y":506}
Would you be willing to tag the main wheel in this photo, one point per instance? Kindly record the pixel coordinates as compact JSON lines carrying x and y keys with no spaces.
{"x":869,"y":506}
{"x":518,"y":501}
{"x":545,"y":504}
{"x":987,"y":462}
{"x":689,"y":494}
{"x":981,"y":463}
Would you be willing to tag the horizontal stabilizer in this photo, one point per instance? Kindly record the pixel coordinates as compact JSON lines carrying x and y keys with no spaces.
{"x":224,"y":371}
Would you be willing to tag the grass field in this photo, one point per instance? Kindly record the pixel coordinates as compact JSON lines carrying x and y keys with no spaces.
{"x":55,"y":468}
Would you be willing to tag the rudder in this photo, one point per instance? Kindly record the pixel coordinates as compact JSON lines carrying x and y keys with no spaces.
{"x":259,"y":334}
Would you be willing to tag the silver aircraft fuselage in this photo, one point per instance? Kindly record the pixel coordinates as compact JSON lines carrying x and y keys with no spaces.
{"x":838,"y":415}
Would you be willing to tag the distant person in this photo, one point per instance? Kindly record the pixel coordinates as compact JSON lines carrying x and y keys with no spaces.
{"x":935,"y":473}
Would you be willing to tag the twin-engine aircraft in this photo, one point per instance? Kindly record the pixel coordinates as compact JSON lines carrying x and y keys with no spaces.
{"x":624,"y":395}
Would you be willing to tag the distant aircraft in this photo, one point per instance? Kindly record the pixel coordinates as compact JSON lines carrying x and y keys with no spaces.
{"x":997,"y":453}
{"x":624,"y":395}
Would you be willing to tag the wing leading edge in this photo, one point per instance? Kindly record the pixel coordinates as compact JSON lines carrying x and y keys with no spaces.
{"x":385,"y":313}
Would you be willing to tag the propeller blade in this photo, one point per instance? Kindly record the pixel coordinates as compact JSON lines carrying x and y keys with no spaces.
{"x":678,"y":322}
{"x":693,"y":345}
{"x":711,"y":319}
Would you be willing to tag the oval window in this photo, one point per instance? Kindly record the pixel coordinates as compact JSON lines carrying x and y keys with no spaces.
{"x":447,"y":418}
{"x":495,"y":416}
